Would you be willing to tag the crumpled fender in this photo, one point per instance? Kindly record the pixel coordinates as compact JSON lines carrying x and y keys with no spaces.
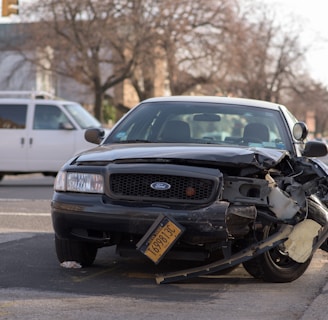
{"x":309,"y":234}
{"x":299,"y":245}
{"x":319,"y":213}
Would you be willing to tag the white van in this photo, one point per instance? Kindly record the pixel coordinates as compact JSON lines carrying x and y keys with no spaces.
{"x":38,"y":134}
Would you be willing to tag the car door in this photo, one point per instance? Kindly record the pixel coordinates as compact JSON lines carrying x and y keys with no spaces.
{"x":13,"y":136}
{"x":52,"y":138}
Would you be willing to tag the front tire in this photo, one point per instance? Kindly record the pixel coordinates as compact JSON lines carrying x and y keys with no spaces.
{"x":72,"y":250}
{"x":275,"y":265}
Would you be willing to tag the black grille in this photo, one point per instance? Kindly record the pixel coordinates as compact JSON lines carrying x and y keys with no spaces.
{"x":182,"y":188}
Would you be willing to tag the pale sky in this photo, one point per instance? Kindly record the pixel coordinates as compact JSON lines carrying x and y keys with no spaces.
{"x":313,"y":17}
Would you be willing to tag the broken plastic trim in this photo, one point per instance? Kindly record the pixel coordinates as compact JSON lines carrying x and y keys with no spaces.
{"x":247,"y":254}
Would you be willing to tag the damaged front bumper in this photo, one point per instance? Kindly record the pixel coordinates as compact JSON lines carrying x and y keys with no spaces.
{"x":285,"y":234}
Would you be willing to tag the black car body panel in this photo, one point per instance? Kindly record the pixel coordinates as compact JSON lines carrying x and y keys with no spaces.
{"x":228,"y":193}
{"x":222,"y":154}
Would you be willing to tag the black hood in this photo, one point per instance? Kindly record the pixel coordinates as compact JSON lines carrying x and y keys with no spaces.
{"x":232,"y":156}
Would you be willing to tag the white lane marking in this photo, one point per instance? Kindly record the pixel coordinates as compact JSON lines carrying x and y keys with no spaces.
{"x":25,"y":214}
{"x":19,"y":199}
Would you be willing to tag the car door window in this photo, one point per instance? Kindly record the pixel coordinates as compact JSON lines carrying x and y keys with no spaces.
{"x":13,"y":116}
{"x":48,"y":117}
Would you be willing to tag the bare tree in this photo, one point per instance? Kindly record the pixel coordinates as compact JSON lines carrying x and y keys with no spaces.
{"x":220,"y":47}
{"x":264,"y":58}
{"x":305,"y":97}
{"x":188,"y":39}
{"x":216,"y":45}
{"x":90,"y":40}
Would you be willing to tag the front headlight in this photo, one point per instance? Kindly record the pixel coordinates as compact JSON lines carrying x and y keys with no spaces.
{"x":60,"y":181}
{"x":79,"y":182}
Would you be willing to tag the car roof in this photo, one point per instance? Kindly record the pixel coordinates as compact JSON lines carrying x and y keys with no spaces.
{"x":40,"y":101}
{"x":17,"y":96}
{"x":215,"y":99}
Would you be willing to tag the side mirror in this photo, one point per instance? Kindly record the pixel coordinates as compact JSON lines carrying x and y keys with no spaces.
{"x":94,"y":135}
{"x":315,"y":149}
{"x":300,"y":131}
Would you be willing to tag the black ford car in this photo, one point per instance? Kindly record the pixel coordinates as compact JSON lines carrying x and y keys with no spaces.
{"x":223,"y":181}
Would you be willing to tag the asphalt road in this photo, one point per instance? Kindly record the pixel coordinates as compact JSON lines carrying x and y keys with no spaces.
{"x":33,"y":285}
{"x":26,"y":187}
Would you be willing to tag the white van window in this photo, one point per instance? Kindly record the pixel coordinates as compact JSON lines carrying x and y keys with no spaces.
{"x":82,"y":116}
{"x":13,"y":116}
{"x":47,"y":117}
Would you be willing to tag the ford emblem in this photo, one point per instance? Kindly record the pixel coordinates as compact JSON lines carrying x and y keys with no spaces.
{"x":160,"y":186}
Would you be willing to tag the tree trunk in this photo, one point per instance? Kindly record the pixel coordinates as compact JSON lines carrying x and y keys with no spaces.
{"x":98,"y":104}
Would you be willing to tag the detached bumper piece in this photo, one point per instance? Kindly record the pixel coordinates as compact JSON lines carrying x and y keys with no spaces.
{"x":244,"y":255}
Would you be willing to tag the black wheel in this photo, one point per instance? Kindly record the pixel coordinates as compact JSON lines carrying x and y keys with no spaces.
{"x":275,"y":265}
{"x":1,"y":176}
{"x":72,"y":250}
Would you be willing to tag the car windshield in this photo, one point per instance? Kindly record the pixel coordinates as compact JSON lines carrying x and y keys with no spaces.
{"x":206,"y":123}
{"x":83,"y":118}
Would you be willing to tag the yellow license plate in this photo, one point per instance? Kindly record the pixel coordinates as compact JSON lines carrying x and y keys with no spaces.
{"x":160,"y":238}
